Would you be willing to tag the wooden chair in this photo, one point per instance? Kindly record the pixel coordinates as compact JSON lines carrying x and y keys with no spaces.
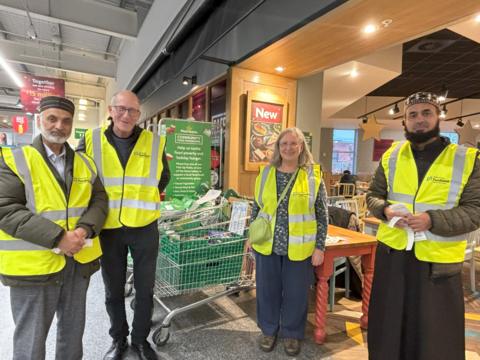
{"x":348,"y":204}
{"x":362,"y":209}
{"x":347,"y":190}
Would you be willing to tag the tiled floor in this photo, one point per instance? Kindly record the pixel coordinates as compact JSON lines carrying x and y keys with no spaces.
{"x":226,"y":329}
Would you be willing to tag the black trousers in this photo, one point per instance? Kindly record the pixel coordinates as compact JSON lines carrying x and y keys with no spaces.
{"x":143,"y":244}
{"x":414,"y":314}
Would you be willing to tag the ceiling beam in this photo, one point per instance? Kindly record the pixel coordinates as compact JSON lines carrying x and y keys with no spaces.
{"x":83,"y":14}
{"x":24,"y":53}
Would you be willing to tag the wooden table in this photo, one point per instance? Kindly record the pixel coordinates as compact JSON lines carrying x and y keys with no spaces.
{"x":355,"y":243}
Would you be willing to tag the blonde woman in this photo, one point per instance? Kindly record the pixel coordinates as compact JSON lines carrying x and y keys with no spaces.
{"x":299,"y":226}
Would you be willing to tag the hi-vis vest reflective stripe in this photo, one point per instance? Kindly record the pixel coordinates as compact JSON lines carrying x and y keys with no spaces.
{"x":46,"y":198}
{"x":441,"y":188}
{"x":134,"y":198}
{"x":302,"y":224}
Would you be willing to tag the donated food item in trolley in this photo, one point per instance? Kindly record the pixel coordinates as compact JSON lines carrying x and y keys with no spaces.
{"x":199,"y":253}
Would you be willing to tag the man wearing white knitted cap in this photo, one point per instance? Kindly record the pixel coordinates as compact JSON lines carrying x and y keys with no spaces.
{"x":426,"y":191}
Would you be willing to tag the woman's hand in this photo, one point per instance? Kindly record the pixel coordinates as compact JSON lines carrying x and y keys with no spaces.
{"x":317,"y":257}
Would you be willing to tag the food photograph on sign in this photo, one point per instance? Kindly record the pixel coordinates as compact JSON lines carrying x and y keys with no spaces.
{"x":266,"y":126}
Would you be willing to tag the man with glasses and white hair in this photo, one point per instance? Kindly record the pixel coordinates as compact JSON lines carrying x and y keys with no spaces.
{"x":134,"y":170}
{"x":52,"y":208}
{"x":427,"y":192}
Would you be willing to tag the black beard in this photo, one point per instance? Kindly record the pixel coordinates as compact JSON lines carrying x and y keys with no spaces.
{"x":421,"y":137}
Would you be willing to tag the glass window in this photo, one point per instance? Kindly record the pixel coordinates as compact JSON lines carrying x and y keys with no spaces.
{"x":343,"y":154}
{"x":453,"y":136}
{"x":183,"y":110}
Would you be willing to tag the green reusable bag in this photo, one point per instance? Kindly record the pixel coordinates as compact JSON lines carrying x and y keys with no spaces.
{"x":260,"y":229}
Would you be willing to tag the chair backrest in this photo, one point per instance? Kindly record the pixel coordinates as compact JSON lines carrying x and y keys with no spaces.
{"x":473,"y":239}
{"x":346,"y":189}
{"x":348,"y":204}
{"x":361,"y":204}
{"x":331,"y":200}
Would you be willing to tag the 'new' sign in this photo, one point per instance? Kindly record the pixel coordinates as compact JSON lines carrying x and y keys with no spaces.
{"x":265,"y":112}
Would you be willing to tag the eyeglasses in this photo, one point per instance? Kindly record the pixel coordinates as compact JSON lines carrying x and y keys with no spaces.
{"x":285,"y":144}
{"x":120,"y":110}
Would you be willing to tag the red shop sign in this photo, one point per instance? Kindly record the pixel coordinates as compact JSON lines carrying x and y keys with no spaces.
{"x":36,"y":87}
{"x":20,"y":124}
{"x":266,"y":112}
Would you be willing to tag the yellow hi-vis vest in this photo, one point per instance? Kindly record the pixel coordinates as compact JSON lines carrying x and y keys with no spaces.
{"x":302,"y":224}
{"x":46,"y":198}
{"x":441,"y":189}
{"x":133,"y":195}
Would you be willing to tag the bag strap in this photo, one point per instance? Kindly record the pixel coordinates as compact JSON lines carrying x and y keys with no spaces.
{"x":284,"y":192}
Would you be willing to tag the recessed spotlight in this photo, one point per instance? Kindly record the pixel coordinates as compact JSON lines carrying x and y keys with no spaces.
{"x":256,"y":79}
{"x":370,"y":28}
{"x":354,"y":73}
{"x":477,"y":18}
{"x":5,"y":121}
{"x":279,"y":69}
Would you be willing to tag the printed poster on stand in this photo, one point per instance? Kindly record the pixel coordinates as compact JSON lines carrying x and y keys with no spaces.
{"x":187,"y":150}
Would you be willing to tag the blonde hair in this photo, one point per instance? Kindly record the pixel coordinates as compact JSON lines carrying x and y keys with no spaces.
{"x":304,"y":159}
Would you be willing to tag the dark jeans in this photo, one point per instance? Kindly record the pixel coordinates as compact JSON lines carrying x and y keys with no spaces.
{"x":143,"y":245}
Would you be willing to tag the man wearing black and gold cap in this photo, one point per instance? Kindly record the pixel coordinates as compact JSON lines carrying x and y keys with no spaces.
{"x":427,"y":192}
{"x":52,"y":207}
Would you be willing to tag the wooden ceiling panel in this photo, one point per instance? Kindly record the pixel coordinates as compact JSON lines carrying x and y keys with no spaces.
{"x":337,"y":37}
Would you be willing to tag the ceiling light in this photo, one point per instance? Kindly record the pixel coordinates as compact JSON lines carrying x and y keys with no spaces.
{"x":82,"y":107}
{"x":460,"y":122}
{"x":394,"y":110}
{"x":354,"y":73}
{"x":83,"y":102}
{"x":189,"y":80}
{"x":13,"y":75}
{"x":256,"y":79}
{"x":477,"y":18}
{"x":364,"y":119}
{"x":443,"y":94}
{"x":31,"y":33}
{"x":280,"y":69}
{"x":370,"y":28}
{"x":5,"y":121}
{"x":443,"y":113}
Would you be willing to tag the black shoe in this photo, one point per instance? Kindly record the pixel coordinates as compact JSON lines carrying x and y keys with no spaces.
{"x":116,"y":350}
{"x":144,"y":351}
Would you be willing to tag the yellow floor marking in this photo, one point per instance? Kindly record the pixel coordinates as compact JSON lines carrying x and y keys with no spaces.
{"x":472,"y":316}
{"x":354,"y":331}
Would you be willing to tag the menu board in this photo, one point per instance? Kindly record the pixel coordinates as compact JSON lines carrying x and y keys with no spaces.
{"x":265,"y":122}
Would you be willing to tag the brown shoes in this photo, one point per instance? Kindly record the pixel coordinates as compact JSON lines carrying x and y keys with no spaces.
{"x":267,"y":343}
{"x":291,"y":346}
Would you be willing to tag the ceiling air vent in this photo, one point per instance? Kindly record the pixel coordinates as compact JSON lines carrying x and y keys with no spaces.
{"x":430,"y":46}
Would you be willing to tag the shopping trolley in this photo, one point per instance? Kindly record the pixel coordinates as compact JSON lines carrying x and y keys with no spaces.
{"x":199,"y":252}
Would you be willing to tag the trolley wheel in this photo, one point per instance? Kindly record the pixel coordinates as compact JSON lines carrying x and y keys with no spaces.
{"x":128,"y":289}
{"x":161,"y":335}
{"x":132,"y":304}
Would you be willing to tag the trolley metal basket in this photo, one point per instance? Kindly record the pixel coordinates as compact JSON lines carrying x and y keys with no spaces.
{"x":198,"y":252}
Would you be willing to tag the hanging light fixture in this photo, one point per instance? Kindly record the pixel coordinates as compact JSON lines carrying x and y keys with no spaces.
{"x":443,"y":112}
{"x":443,"y":94}
{"x":394,"y":110}
{"x":460,"y":122}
